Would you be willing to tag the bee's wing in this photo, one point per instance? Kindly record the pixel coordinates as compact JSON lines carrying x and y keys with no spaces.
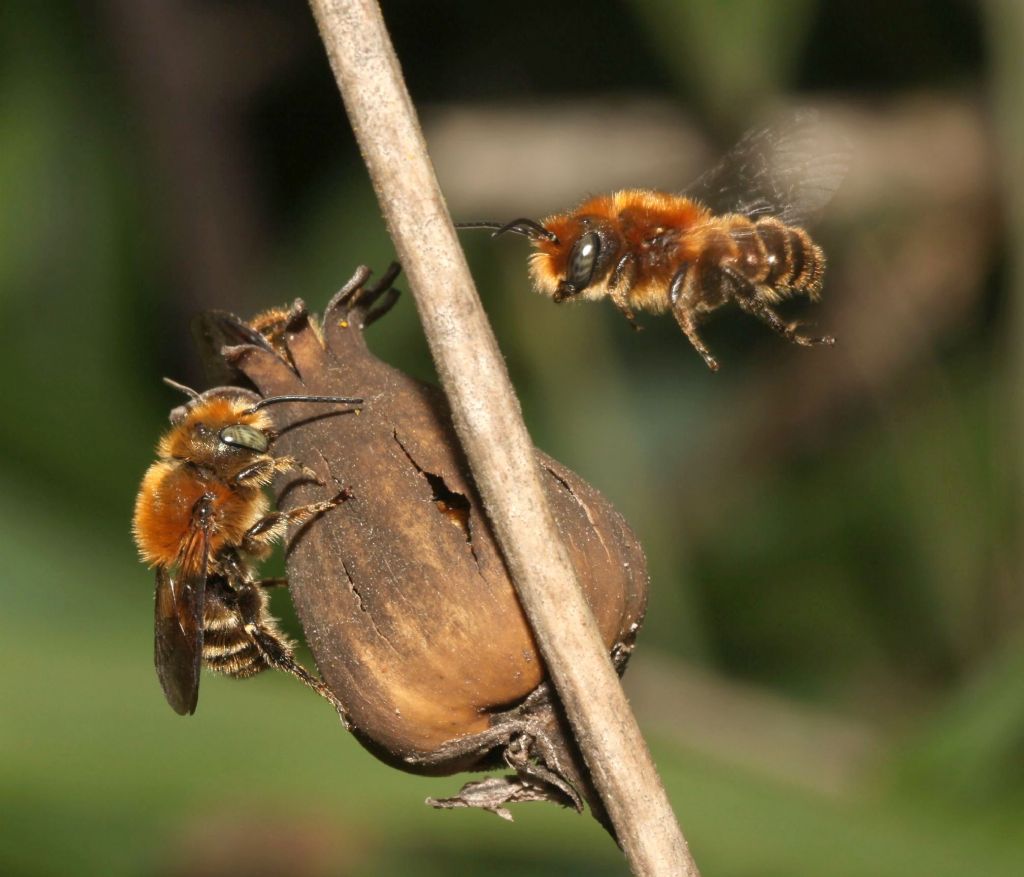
{"x":789,"y":170}
{"x":178,"y":649}
{"x":214,"y":330}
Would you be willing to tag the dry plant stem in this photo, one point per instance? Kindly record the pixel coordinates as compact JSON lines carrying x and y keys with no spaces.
{"x":490,"y":426}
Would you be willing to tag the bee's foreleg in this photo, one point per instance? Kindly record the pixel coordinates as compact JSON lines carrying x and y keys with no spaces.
{"x":261,"y":472}
{"x":618,"y":291}
{"x":290,"y":464}
{"x":273,"y":526}
{"x":621,"y":301}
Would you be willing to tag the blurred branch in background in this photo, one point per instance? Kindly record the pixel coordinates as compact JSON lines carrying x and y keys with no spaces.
{"x":733,"y":57}
{"x":1005,"y":20}
{"x":265,"y":839}
{"x":751,"y":726}
{"x":972,"y":748}
{"x":541,"y":157}
{"x":192,"y":71}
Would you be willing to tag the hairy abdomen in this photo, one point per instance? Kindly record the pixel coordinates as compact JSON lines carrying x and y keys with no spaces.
{"x":781,"y":259}
{"x":228,"y":647}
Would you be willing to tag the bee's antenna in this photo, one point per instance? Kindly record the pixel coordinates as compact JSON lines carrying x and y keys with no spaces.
{"x":528,"y":228}
{"x":493,"y":226}
{"x":274,"y":400}
{"x":188,"y":391}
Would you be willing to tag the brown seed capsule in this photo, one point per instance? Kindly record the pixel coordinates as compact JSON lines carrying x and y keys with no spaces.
{"x":402,"y":591}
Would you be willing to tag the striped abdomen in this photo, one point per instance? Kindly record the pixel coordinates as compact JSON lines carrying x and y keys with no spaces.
{"x":780,"y":258}
{"x":228,"y":646}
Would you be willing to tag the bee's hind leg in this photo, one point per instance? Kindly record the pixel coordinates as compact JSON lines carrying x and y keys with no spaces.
{"x":279,"y":656}
{"x":750,"y":301}
{"x":757,"y":307}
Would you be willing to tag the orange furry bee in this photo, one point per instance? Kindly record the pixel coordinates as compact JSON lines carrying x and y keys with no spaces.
{"x":201,"y":517}
{"x":733,"y":236}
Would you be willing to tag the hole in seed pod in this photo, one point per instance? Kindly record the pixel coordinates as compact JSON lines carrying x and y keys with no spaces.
{"x":450,"y":503}
{"x":454,"y":506}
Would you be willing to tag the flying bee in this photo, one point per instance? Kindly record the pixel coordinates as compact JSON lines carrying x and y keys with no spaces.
{"x":201,"y":520}
{"x":734,"y":235}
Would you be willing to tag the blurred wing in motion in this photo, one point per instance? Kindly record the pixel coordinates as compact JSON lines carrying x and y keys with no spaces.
{"x":789,"y":170}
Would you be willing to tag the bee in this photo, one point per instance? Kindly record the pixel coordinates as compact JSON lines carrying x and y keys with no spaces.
{"x":201,"y":520}
{"x":734,"y":235}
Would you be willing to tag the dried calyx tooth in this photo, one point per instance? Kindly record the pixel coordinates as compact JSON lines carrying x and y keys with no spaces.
{"x":402,"y":590}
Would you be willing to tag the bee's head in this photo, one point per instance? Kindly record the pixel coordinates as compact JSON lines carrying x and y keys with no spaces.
{"x":226,"y":422}
{"x":574,"y":254}
{"x":581,"y":261}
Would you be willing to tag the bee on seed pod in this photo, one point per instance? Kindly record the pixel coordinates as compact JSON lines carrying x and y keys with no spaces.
{"x":402,"y":592}
{"x":201,"y":521}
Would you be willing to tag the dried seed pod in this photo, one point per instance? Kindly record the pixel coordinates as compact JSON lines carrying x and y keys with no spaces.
{"x":402,"y":591}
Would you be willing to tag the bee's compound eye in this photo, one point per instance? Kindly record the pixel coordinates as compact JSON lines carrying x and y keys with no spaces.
{"x":583,"y":259}
{"x":240,"y":435}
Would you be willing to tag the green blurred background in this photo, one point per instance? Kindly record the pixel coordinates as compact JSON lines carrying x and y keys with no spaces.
{"x":832,"y":675}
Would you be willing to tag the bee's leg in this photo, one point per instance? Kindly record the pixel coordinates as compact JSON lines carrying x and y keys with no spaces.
{"x":263,"y":470}
{"x":619,"y":299}
{"x":686,"y":316}
{"x":688,"y":323}
{"x":273,"y":526}
{"x":290,"y":464}
{"x":260,"y":472}
{"x":271,"y":583}
{"x":563,"y":293}
{"x":749,"y":300}
{"x":279,"y":656}
{"x":619,"y":291}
